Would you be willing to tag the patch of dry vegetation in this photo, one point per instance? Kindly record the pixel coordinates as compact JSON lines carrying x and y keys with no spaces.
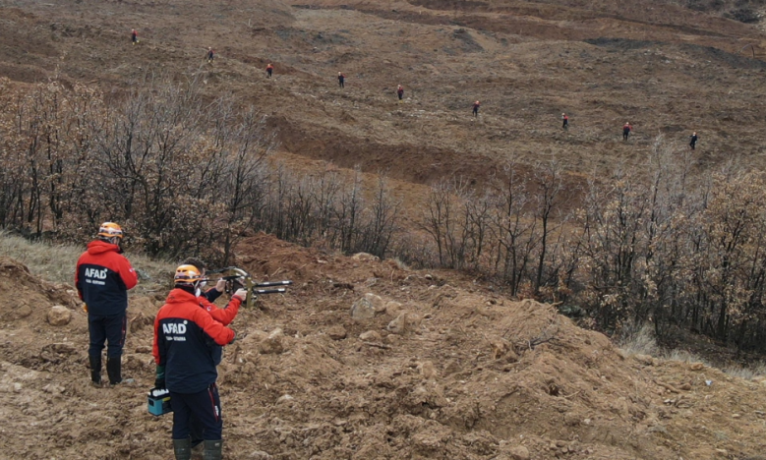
{"x":55,"y":262}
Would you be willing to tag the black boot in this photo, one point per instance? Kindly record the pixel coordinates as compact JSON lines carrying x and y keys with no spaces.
{"x":197,"y":449}
{"x":114,"y":370}
{"x":95,"y":369}
{"x":182,"y":449}
{"x":213,"y":450}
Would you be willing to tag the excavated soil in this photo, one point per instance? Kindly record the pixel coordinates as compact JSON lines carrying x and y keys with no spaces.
{"x":444,"y":369}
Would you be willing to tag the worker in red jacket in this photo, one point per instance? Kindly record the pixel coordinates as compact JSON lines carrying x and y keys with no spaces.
{"x":476,"y":106}
{"x":565,"y":121}
{"x":134,"y":36}
{"x":186,"y":350}
{"x":103,"y":278}
{"x":400,"y":91}
{"x":626,"y":129}
{"x":224,"y":316}
{"x":341,"y":79}
{"x":269,"y":70}
{"x":210,"y":54}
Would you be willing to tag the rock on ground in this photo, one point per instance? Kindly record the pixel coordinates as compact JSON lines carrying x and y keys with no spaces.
{"x":59,"y":315}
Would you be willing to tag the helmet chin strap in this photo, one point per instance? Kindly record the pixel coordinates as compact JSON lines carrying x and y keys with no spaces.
{"x":198,"y":287}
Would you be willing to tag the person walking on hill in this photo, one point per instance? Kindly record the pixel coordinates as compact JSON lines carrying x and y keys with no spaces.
{"x":134,"y":36}
{"x":565,"y":121}
{"x":626,"y":129}
{"x":103,"y":278}
{"x":269,"y":70}
{"x":693,"y":140}
{"x":210,"y":54}
{"x":400,"y":92}
{"x":186,"y":349}
{"x":341,"y":79}
{"x":476,"y":106}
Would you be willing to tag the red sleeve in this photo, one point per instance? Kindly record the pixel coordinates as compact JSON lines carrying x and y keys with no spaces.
{"x":223,"y":315}
{"x":220,"y":334}
{"x":127,"y":273}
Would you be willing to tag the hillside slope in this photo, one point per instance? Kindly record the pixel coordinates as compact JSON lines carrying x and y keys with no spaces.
{"x":462,"y":373}
{"x":663,"y":67}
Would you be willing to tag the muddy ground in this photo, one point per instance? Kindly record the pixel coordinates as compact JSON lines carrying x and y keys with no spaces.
{"x":434,"y":366}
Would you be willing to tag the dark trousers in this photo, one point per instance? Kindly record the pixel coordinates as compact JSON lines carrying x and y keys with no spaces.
{"x":691,"y":144}
{"x":109,"y":329}
{"x":475,"y":111}
{"x":400,"y":96}
{"x":340,"y":83}
{"x":269,"y":71}
{"x":625,"y":134}
{"x":565,"y":125}
{"x":192,"y":411}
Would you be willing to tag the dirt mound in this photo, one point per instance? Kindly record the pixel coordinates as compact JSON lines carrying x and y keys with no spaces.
{"x":367,"y":360}
{"x":29,"y":298}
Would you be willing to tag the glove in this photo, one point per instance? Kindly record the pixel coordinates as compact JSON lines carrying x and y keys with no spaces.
{"x":241,"y":294}
{"x":233,"y":338}
{"x":159,"y":379}
{"x":220,"y":285}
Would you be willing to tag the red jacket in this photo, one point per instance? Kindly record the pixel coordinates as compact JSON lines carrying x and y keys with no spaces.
{"x":223,"y":315}
{"x":186,"y":340}
{"x":103,"y":278}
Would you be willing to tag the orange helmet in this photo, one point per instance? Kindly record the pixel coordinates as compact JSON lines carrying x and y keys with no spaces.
{"x":187,"y":274}
{"x":110,"y":230}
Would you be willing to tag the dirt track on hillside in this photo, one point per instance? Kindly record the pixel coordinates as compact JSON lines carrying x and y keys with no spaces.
{"x":463,"y":373}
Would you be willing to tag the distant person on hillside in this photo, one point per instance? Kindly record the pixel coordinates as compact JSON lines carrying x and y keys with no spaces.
{"x":564,"y":121}
{"x":693,"y":140}
{"x":210,"y":54}
{"x":400,"y":91}
{"x":269,"y":70}
{"x":134,"y":36}
{"x":626,"y":129}
{"x":341,"y":79}
{"x":476,"y":106}
{"x":103,"y":278}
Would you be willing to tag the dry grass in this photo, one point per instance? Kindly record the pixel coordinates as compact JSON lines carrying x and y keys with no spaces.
{"x":56,"y":263}
{"x":643,"y":342}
